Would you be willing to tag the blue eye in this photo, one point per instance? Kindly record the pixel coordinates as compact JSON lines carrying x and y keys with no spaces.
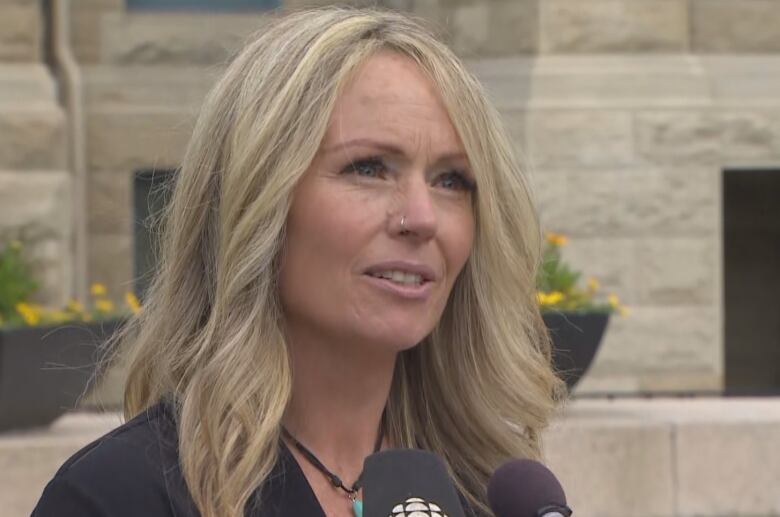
{"x":368,"y":167}
{"x":456,"y":180}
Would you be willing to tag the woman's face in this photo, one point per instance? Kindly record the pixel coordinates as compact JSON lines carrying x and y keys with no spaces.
{"x":350,"y":271}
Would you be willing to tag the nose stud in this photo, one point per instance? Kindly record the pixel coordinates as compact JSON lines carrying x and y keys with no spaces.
{"x":403,"y":224}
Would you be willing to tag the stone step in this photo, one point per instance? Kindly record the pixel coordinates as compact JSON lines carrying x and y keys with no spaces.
{"x":32,"y":136}
{"x":624,"y":457}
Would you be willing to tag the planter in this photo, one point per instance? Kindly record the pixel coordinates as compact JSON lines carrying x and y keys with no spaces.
{"x":45,"y":370}
{"x":576,"y":337}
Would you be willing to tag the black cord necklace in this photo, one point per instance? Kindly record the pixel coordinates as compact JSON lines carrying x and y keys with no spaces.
{"x":333,"y":478}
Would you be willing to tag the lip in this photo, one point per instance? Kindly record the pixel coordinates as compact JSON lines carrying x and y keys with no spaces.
{"x":410,"y":292}
{"x":427,"y":273}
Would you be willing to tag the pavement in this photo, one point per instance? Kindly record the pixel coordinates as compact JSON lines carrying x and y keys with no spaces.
{"x":666,"y":457}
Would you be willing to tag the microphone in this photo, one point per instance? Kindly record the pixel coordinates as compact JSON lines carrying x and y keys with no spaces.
{"x":408,"y":483}
{"x":526,"y":488}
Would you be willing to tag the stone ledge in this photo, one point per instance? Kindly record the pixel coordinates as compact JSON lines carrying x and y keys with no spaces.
{"x":635,"y":457}
{"x":624,"y":81}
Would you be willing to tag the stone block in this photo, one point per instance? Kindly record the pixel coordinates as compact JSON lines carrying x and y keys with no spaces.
{"x":678,"y":137}
{"x":110,"y":202}
{"x":671,"y":202}
{"x":607,"y":260}
{"x":503,"y":27}
{"x":728,"y":469}
{"x":35,"y":207}
{"x":727,"y":26}
{"x":581,"y":138}
{"x":628,"y":466}
{"x":675,"y":341}
{"x":751,"y":135}
{"x":25,"y":83}
{"x":147,"y":86}
{"x":20,"y":32}
{"x":175,"y":38}
{"x":594,"y":203}
{"x":38,"y":201}
{"x":576,"y":26}
{"x":549,"y":189}
{"x":676,"y":271}
{"x":136,"y":138}
{"x":32,"y":138}
{"x":110,"y":259}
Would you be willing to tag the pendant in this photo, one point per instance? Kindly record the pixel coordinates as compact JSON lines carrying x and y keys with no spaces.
{"x":357,"y":507}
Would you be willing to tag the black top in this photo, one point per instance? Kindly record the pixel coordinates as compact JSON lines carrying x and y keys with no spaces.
{"x":134,"y":471}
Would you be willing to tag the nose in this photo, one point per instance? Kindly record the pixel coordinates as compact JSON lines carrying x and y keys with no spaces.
{"x":415,"y":217}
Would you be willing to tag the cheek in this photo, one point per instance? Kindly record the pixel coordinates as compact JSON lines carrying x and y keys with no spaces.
{"x":459,"y":241}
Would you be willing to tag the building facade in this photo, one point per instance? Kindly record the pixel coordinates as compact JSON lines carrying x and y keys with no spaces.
{"x":631,"y":116}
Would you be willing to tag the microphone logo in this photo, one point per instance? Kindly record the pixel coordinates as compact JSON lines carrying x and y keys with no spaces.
{"x":417,"y":507}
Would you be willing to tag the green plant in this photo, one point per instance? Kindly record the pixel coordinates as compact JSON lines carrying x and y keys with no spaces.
{"x":18,"y":285}
{"x":558,"y":284}
{"x":17,"y":282}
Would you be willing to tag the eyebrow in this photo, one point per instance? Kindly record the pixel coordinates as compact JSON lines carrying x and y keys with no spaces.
{"x":390,"y":148}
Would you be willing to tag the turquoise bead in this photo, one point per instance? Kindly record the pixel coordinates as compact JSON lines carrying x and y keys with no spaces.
{"x":357,"y":507}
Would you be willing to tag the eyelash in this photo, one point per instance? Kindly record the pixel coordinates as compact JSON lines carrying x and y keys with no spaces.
{"x":466,"y":183}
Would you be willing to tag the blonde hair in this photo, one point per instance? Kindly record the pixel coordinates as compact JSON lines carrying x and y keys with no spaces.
{"x":477,"y":390}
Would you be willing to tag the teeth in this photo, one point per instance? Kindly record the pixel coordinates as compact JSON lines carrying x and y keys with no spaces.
{"x":400,"y":277}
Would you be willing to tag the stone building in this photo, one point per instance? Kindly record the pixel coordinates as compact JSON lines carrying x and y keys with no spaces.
{"x":651,"y":130}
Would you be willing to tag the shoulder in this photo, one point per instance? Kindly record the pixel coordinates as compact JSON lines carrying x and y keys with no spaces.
{"x":125,"y":472}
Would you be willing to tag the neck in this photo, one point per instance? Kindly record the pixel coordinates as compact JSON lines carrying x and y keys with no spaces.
{"x":339,"y":395}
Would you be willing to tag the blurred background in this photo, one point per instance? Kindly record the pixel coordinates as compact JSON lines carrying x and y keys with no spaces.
{"x":650,"y":130}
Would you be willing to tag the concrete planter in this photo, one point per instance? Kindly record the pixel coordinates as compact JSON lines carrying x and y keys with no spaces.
{"x":576,"y":338}
{"x":45,"y":370}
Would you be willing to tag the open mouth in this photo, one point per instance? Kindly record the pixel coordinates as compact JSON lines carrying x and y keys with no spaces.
{"x":400,"y":277}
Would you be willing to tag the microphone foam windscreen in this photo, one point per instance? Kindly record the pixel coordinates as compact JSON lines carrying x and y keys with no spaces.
{"x":408,"y":483}
{"x":520,"y":488}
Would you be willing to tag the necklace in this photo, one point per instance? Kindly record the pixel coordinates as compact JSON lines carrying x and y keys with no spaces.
{"x":352,"y":492}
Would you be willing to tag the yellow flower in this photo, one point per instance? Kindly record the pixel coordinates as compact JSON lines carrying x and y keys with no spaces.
{"x":552,"y":298}
{"x":132,"y":302}
{"x":104,"y":305}
{"x":74,"y":306}
{"x":30,"y":313}
{"x":98,"y":289}
{"x":613,"y":300}
{"x":557,"y":239}
{"x":593,"y":284}
{"x":623,"y":310}
{"x":59,"y":316}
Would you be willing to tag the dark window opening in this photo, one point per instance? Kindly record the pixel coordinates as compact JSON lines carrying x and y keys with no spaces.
{"x":151,"y":192}
{"x":751,"y":223}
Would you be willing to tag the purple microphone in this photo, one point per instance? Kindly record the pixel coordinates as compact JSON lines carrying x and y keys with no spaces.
{"x":526,"y":488}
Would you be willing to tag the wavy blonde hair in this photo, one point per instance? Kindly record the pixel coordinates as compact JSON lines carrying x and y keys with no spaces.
{"x":477,"y":390}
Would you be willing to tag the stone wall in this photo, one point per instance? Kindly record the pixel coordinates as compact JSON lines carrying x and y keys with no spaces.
{"x":34,"y":183}
{"x":626,"y":111}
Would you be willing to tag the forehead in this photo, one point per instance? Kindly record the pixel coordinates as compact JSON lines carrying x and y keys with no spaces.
{"x":391,"y":93}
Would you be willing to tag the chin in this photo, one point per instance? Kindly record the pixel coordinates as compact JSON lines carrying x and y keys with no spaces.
{"x":396,"y":341}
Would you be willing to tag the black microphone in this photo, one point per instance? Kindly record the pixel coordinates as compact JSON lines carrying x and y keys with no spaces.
{"x":401,"y":482}
{"x":526,"y":488}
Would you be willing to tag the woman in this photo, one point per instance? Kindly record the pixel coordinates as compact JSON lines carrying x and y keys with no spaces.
{"x":348,"y":264}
